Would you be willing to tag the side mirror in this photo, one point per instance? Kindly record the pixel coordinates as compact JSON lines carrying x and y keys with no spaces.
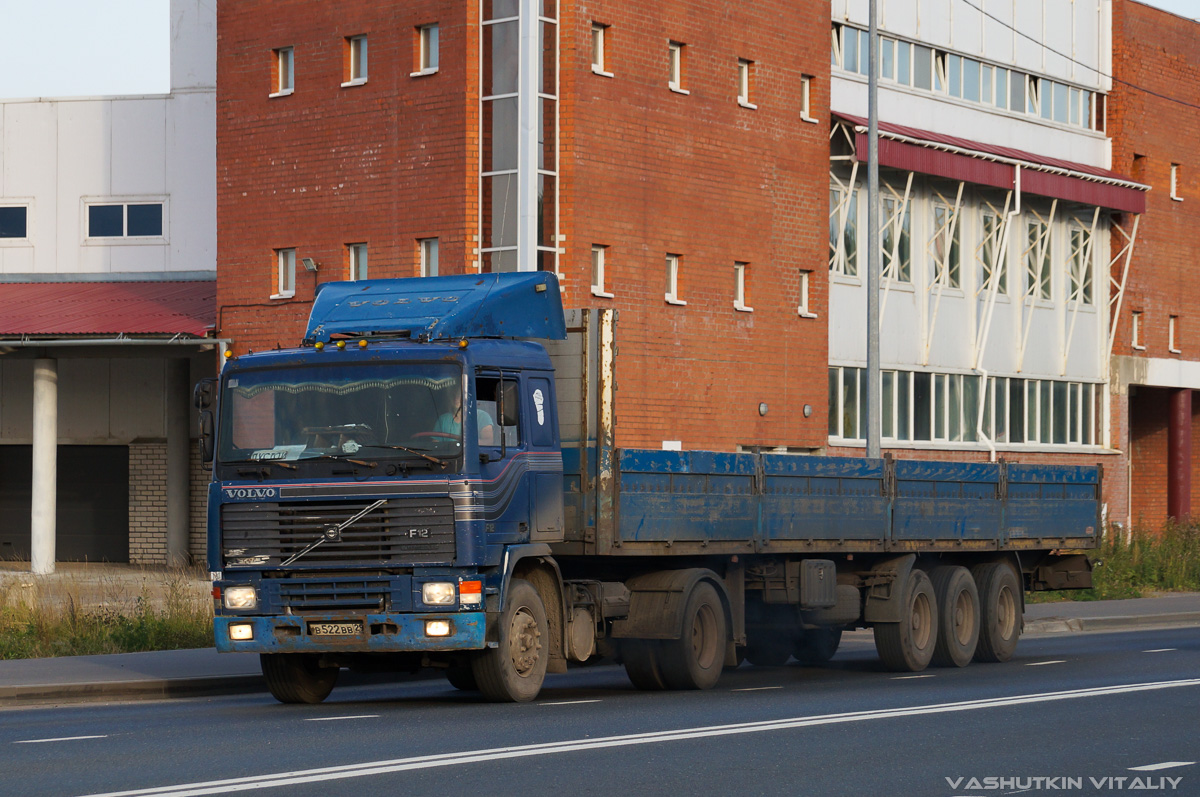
{"x":205,"y":393}
{"x":206,"y":436}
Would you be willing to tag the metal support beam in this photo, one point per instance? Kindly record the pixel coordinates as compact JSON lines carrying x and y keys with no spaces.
{"x":874,"y":391}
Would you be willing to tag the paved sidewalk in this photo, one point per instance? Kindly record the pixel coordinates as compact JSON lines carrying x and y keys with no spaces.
{"x":190,"y":673}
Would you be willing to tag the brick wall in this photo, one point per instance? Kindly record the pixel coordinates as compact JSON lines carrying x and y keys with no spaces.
{"x":199,"y":477}
{"x":148,"y":503}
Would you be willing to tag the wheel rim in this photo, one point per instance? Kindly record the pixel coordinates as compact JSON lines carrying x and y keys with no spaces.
{"x":964,"y":618}
{"x":1006,"y":613}
{"x":922,"y":621}
{"x":524,"y":642}
{"x":704,"y":637}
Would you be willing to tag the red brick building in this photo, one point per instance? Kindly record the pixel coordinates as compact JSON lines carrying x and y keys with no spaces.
{"x":665,"y":167}
{"x":1154,"y":124}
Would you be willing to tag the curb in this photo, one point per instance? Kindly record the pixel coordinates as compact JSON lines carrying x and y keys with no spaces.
{"x":146,"y":689}
{"x":1076,"y":625}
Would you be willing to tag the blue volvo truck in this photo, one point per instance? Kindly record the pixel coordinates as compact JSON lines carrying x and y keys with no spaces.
{"x":430,"y":480}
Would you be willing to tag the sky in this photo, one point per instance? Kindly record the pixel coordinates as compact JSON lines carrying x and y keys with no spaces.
{"x":104,"y":47}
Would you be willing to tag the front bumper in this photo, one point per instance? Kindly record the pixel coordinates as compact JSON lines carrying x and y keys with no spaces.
{"x":382,"y":633}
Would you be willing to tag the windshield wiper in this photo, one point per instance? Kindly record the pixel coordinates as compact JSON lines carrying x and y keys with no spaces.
{"x":334,"y":533}
{"x":421,"y":454}
{"x":341,"y":458}
{"x":262,"y":472}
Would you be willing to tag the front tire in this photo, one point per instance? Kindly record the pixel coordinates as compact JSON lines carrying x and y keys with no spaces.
{"x":297,"y":677}
{"x":958,"y":611}
{"x":1000,"y":611}
{"x":695,"y":660}
{"x":907,"y":646}
{"x":513,"y":672}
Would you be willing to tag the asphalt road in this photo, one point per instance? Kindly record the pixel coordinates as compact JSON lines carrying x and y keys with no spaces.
{"x":1069,"y":709}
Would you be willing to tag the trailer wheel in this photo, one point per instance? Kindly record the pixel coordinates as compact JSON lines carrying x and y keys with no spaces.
{"x":817,"y":645}
{"x":462,"y":677}
{"x":641,"y":659}
{"x":958,"y":611}
{"x":907,"y":646}
{"x":695,"y":660}
{"x":513,"y":672}
{"x":1000,"y":611}
{"x":297,"y":677}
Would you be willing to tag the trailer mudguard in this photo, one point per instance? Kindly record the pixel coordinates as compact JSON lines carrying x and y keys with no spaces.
{"x":657,"y":601}
{"x":883,"y":589}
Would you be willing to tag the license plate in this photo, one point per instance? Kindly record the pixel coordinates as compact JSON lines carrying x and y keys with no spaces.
{"x":334,"y":629}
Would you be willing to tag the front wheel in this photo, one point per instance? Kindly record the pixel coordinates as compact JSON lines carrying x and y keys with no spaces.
{"x":513,"y":672}
{"x":695,"y":660}
{"x":297,"y":677}
{"x":907,"y":646}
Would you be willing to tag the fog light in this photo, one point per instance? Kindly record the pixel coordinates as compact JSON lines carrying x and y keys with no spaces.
{"x":437,"y":593}
{"x":437,"y":628}
{"x":240,"y":632}
{"x":470,"y":593}
{"x":240,"y":598}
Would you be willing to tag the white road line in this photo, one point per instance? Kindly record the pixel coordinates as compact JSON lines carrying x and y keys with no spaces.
{"x":1040,"y":663}
{"x":60,"y":739}
{"x":332,"y":719}
{"x":335,"y":773}
{"x":1160,"y":650}
{"x":912,"y":677}
{"x":1163,"y":765}
{"x":755,"y":688}
{"x":568,"y":702}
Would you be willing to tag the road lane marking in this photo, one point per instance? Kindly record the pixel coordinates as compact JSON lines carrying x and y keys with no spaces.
{"x":912,"y":677}
{"x":1163,"y":765}
{"x":569,"y":702}
{"x":1040,"y":663}
{"x":755,"y":688}
{"x":334,"y":773}
{"x":1160,"y":650}
{"x":60,"y":739}
{"x":332,"y":719}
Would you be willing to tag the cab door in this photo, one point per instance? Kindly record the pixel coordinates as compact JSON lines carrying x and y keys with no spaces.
{"x":545,"y":455}
{"x":503,"y":461}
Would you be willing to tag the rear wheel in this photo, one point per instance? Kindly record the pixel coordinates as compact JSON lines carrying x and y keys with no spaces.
{"x":817,"y":645}
{"x":695,"y":660}
{"x":958,"y":612}
{"x":1000,"y":611}
{"x":513,"y":671}
{"x":907,"y":646}
{"x":297,"y":677}
{"x":642,"y":665}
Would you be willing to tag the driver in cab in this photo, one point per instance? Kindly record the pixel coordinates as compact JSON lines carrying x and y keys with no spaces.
{"x":450,"y":421}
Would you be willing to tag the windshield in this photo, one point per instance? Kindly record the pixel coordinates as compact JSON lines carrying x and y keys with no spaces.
{"x":341,"y":411}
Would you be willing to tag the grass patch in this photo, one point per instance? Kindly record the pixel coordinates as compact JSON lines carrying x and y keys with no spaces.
{"x":65,"y":618}
{"x":1141,"y":562}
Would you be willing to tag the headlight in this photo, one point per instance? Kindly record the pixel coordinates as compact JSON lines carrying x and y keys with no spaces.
{"x":241,"y":631}
{"x":437,"y":593}
{"x":240,"y":598}
{"x":437,"y":628}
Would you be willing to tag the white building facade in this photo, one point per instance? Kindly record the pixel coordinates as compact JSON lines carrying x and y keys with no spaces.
{"x":107,"y":293}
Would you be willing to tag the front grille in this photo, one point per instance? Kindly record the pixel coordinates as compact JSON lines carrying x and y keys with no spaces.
{"x":334,"y":594}
{"x":404,"y":531}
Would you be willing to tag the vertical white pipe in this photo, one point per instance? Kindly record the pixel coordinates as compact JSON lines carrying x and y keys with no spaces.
{"x":45,"y":466}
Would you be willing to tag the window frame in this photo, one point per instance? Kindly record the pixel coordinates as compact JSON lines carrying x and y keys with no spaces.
{"x":27,"y":206}
{"x":806,"y":82}
{"x":285,"y":271}
{"x":357,"y":70}
{"x":358,"y":261}
{"x":676,"y":67}
{"x":1175,"y":183}
{"x":429,"y":252}
{"x":599,"y":271}
{"x":804,"y":291}
{"x":1135,"y":330}
{"x":124,"y":239}
{"x":600,"y":49}
{"x":671,"y":296}
{"x":428,"y":50}
{"x":745,"y":76}
{"x":741,"y":276}
{"x":1173,"y":335}
{"x":283,"y":81}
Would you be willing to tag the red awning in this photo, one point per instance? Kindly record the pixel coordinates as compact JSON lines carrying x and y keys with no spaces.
{"x":922,"y":151}
{"x":107,"y":308}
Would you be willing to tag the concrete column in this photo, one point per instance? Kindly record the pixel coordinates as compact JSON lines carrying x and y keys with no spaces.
{"x":45,"y":466}
{"x":178,"y":400}
{"x":1179,"y":455}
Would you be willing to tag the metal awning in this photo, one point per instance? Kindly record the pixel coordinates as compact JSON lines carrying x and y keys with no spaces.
{"x":89,"y":309}
{"x":926,"y":152}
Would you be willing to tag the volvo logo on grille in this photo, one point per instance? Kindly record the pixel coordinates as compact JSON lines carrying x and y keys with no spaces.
{"x":418,"y":533}
{"x":257,"y":493}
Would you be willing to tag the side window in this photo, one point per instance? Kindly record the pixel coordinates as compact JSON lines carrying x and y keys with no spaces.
{"x":541,"y":413}
{"x":489,"y":403}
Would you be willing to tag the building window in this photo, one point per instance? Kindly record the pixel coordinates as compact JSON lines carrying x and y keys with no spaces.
{"x":429,"y":256}
{"x":282,"y":72}
{"x":802,"y":308}
{"x":741,"y":290}
{"x":944,"y":246}
{"x":843,"y":231}
{"x":358,"y":260}
{"x":427,"y":50}
{"x":847,"y":415}
{"x":285,"y":272}
{"x":142,"y":220}
{"x":1175,"y":183}
{"x":598,"y":275}
{"x":806,"y":82}
{"x":599,"y":46}
{"x":745,"y":74}
{"x":1080,"y":266}
{"x":14,"y":222}
{"x":1135,"y":331}
{"x":989,"y":251}
{"x":355,"y":70}
{"x":897,"y":249}
{"x":672,"y":295}
{"x":1173,"y":335}
{"x":1037,"y":261}
{"x":675,"y":67}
